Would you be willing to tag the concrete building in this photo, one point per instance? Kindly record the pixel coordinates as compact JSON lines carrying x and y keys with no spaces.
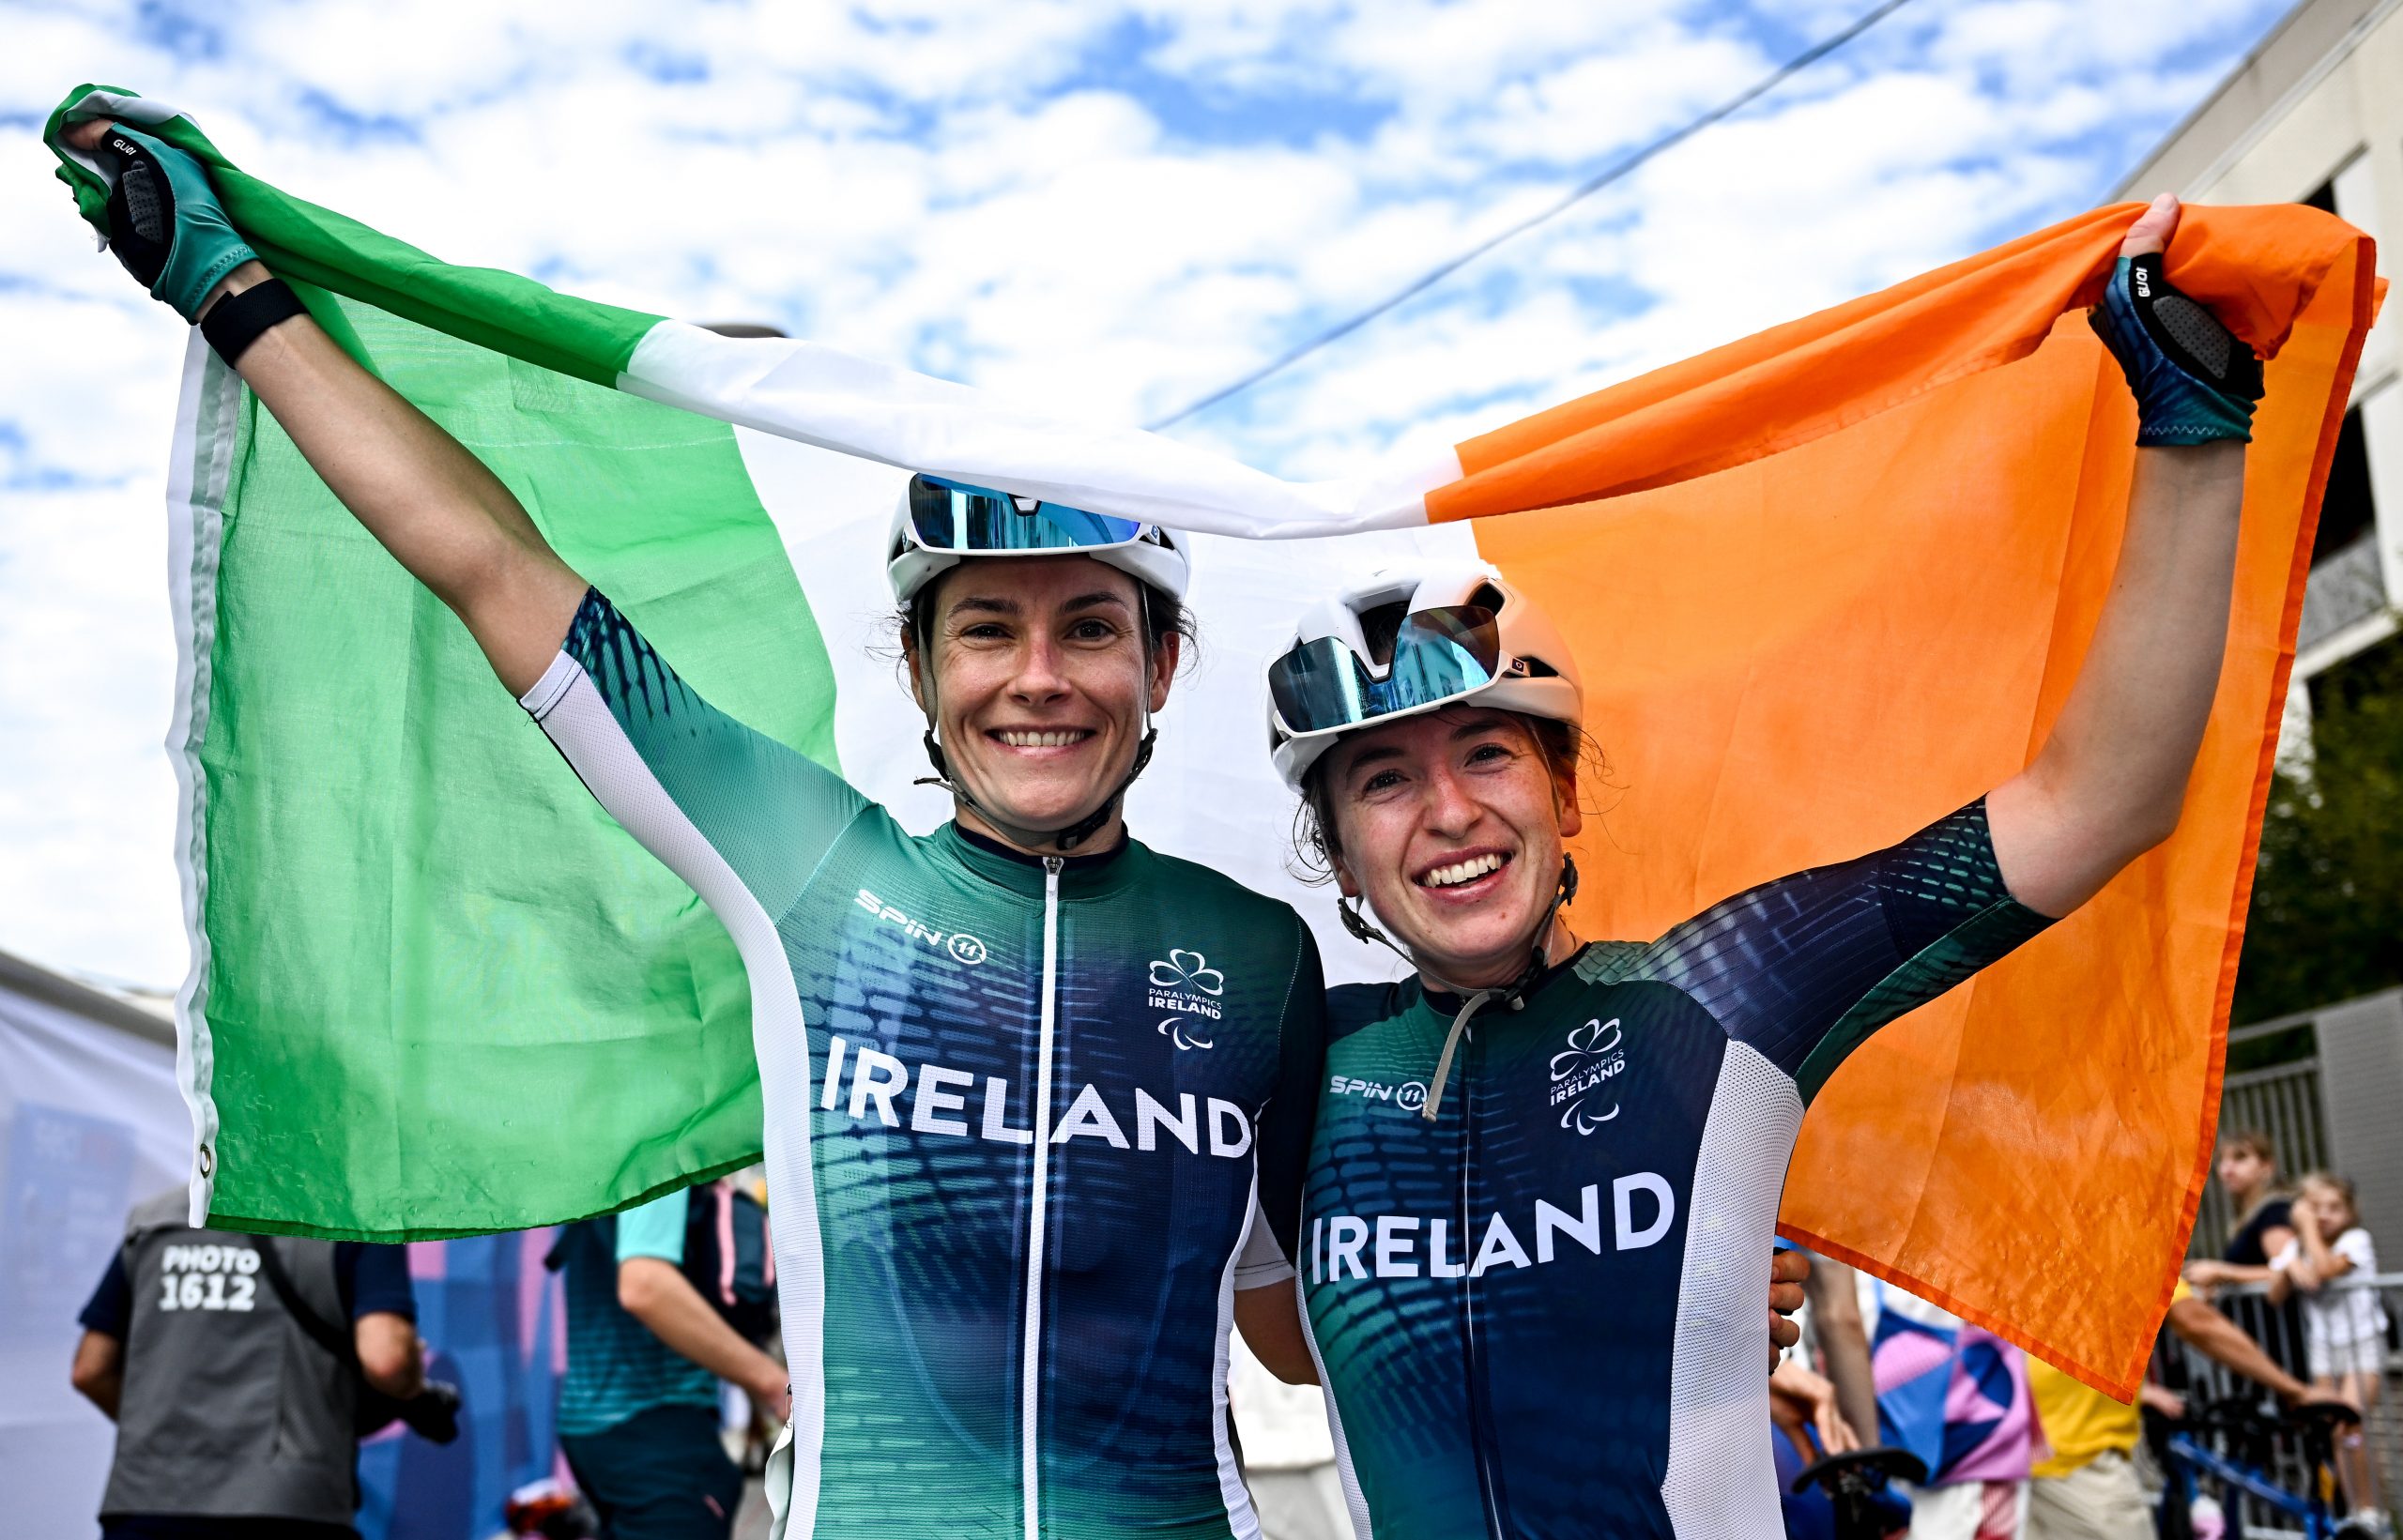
{"x":2314,"y":115}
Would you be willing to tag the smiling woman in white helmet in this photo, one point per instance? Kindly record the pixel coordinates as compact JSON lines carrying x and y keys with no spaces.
{"x":1035,"y":1096}
{"x":1527,"y":1257}
{"x":1040,"y":763}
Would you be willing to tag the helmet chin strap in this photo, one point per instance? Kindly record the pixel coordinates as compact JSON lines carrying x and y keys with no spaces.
{"x":1063,"y":840}
{"x":1348,"y":909}
{"x":1513,"y":993}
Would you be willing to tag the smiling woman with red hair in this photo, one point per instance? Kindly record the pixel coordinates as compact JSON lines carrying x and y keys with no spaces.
{"x":1526,"y":1238}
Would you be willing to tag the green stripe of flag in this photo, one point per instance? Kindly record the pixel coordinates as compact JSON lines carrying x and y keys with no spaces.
{"x":445,"y":994}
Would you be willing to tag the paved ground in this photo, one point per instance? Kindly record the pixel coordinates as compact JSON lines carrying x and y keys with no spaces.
{"x":751,"y":1519}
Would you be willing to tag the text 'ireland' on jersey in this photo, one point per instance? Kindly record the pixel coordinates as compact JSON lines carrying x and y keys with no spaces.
{"x":1542,"y":1314}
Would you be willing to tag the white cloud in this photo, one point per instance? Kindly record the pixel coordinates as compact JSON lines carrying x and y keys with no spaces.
{"x":1114,"y":205}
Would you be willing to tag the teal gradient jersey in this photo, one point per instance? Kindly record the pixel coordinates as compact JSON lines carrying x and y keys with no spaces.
{"x":1542,"y":1314}
{"x":1029,"y":1125}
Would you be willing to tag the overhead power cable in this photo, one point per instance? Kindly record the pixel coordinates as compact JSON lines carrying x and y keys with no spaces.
{"x":1582,"y":191}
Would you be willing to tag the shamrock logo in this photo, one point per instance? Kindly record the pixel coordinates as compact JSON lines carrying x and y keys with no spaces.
{"x":1187,"y":970}
{"x":1585,"y":1045}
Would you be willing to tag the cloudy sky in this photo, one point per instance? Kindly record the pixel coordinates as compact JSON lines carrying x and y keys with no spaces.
{"x":1113,"y":208}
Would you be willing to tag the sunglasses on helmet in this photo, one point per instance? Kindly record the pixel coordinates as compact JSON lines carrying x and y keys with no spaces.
{"x":1439,"y":654}
{"x":956,"y":519}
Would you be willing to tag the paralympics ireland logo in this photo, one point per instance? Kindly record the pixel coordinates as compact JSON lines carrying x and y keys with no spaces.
{"x":1580,"y":1074}
{"x":1186,"y":986}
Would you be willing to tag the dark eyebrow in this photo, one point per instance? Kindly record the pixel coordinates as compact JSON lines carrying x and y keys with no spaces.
{"x":1383,"y":752}
{"x":998,"y":605}
{"x":1370,"y":757}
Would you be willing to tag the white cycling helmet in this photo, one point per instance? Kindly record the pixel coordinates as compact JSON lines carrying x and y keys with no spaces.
{"x":1403,"y":641}
{"x":942,"y":523}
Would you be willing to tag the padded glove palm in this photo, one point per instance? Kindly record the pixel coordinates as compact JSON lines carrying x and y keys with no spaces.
{"x":165,"y":221}
{"x":2195,"y":380}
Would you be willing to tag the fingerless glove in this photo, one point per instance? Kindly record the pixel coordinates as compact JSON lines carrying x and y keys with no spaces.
{"x":165,"y":221}
{"x":2195,"y":380}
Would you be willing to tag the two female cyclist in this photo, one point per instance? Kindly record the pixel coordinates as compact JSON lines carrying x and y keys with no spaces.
{"x":1028,"y":1210}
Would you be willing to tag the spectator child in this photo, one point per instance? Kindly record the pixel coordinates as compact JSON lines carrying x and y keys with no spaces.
{"x":2248,"y":1174}
{"x":2343,"y":1329}
{"x":2263,"y":1206}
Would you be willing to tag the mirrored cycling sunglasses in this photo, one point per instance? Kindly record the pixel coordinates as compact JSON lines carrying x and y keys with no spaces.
{"x":1439,"y":654}
{"x":961,"y":520}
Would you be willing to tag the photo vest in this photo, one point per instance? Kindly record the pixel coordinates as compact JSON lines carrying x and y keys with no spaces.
{"x":229,"y":1408}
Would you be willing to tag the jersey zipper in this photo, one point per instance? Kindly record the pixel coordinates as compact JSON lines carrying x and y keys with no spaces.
{"x":1480,"y":1418}
{"x":1031,"y":1353}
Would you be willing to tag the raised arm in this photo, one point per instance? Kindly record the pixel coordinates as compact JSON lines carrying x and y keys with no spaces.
{"x":429,"y":502}
{"x":2109,"y":782}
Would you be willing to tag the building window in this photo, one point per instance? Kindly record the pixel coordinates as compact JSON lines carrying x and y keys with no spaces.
{"x":2347,"y":511}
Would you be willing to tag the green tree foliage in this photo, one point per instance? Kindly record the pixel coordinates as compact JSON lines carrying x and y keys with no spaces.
{"x":2327,"y":920}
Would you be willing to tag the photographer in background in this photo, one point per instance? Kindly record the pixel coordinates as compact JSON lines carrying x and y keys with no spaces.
{"x":238,"y":1411}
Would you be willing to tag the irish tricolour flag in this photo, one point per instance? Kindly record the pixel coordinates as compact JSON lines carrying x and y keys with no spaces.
{"x":1826,"y":584}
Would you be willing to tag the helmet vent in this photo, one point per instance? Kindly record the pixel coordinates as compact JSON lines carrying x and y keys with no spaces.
{"x":1488,"y":597}
{"x":1379,"y":626}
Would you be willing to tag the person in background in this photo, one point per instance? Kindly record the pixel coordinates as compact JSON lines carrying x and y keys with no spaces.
{"x":233,"y":1421}
{"x":2224,"y":1342}
{"x":1809,"y":1425}
{"x":639,"y":1408}
{"x":2343,"y":1329}
{"x":1956,"y":1395}
{"x":1806,"y":1407}
{"x":1842,"y":1337}
{"x":2248,"y":1174}
{"x":2087,"y":1489}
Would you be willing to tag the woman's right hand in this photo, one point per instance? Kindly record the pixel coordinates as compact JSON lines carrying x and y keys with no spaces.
{"x":165,"y":221}
{"x":2203,"y":1273}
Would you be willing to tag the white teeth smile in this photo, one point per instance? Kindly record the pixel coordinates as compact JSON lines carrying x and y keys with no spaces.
{"x":1042,"y":740}
{"x":1459,"y":872}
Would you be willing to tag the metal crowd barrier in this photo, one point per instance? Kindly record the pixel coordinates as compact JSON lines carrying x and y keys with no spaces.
{"x":2279,"y":1329}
